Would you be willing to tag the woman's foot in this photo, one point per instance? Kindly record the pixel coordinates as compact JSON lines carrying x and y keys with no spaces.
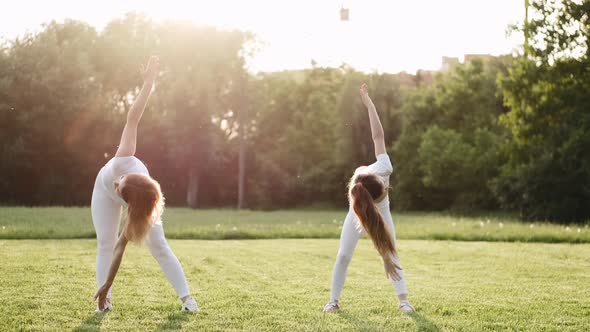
{"x":190,"y":305}
{"x":108,"y":307}
{"x":331,"y":306}
{"x":406,"y":307}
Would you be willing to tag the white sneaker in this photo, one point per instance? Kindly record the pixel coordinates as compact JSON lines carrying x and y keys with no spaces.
{"x":331,"y":306}
{"x":107,"y":307}
{"x":406,"y":307}
{"x":190,"y":305}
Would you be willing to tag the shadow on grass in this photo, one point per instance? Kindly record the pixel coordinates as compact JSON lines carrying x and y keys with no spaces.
{"x":91,"y":323}
{"x":359,"y":324}
{"x":173,"y":321}
{"x":423,"y":323}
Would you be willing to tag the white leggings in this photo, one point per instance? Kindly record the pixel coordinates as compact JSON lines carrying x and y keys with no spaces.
{"x":348,"y":240}
{"x":106,"y":214}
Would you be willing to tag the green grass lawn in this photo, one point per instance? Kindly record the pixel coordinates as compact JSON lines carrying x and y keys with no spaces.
{"x":282,"y":285}
{"x":180,"y":223}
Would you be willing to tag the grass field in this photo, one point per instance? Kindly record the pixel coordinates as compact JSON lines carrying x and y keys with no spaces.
{"x":64,"y":223}
{"x":282,"y":285}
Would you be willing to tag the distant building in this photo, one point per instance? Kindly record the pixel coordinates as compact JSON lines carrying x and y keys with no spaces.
{"x":424,"y":77}
{"x":470,"y":57}
{"x":406,"y":79}
{"x":448,"y":62}
{"x":427,"y":77}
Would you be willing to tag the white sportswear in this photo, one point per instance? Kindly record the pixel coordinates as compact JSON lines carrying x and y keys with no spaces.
{"x":106,"y":209}
{"x":352,"y":231}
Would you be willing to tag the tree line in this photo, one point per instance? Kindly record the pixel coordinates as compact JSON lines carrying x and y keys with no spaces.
{"x":509,"y":133}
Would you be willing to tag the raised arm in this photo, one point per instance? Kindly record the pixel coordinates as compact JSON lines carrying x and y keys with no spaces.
{"x":129,"y":137}
{"x":376,"y":128}
{"x":101,"y":294}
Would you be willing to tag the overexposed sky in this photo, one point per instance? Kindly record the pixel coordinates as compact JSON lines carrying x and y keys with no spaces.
{"x":382,"y":35}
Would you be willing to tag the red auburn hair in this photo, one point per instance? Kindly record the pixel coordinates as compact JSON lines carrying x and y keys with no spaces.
{"x":145,"y":200}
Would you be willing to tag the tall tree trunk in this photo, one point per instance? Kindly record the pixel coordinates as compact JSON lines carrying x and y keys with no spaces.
{"x":241,"y":133}
{"x":242,"y":168}
{"x":526,"y":27}
{"x":192,"y":192}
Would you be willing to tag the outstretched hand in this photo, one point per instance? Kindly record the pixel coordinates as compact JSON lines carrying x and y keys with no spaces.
{"x":101,"y":296}
{"x":364,"y":90}
{"x":391,"y":270}
{"x":150,"y":72}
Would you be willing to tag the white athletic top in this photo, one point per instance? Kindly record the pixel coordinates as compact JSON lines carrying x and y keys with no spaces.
{"x":117,"y":167}
{"x":382,"y":168}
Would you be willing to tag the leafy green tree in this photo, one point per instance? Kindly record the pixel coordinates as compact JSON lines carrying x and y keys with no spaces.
{"x":270,"y":181}
{"x":547,"y":175}
{"x":310,"y":131}
{"x":181,"y":133}
{"x":51,"y":96}
{"x":203,"y":79}
{"x":449,"y":148}
{"x":65,"y":93}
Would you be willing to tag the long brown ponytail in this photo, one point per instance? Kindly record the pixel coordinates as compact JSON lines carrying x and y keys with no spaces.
{"x":364,"y":190}
{"x":145,"y":200}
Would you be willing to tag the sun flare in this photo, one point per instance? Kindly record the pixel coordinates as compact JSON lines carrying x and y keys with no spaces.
{"x":386,"y":36}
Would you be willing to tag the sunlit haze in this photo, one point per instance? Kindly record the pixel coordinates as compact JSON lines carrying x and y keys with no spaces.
{"x":384,"y":36}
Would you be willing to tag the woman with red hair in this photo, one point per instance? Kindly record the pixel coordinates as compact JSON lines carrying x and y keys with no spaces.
{"x":125,"y":182}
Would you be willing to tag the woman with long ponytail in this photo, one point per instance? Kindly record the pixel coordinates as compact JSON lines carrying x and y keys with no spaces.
{"x":369,"y":213}
{"x":125,"y":182}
